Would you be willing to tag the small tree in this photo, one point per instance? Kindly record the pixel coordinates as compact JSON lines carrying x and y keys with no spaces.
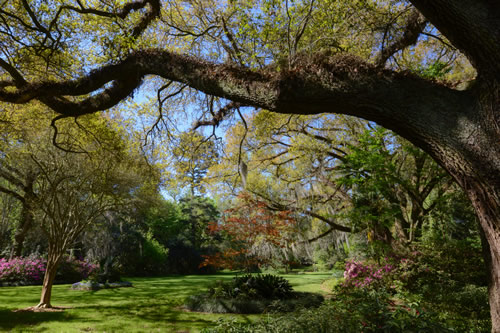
{"x":67,"y":190}
{"x":254,"y":235}
{"x":74,"y":193}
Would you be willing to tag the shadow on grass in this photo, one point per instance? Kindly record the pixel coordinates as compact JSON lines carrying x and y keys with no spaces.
{"x":152,"y":304}
{"x":27,"y":319}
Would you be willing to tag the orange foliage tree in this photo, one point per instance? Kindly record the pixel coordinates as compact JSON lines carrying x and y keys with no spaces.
{"x":253,"y":235}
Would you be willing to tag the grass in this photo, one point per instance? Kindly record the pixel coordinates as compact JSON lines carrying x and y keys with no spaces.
{"x":152,"y":305}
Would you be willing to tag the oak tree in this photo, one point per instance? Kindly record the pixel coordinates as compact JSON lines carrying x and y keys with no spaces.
{"x":287,"y":70}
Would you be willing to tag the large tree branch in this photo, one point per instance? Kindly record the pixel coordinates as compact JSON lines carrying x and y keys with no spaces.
{"x":315,"y":85}
{"x":417,"y":109}
{"x":326,"y":233}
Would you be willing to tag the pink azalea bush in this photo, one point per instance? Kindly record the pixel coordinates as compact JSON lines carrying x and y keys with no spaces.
{"x":389,"y":273}
{"x":30,"y":270}
{"x":360,"y":274}
{"x":22,"y":269}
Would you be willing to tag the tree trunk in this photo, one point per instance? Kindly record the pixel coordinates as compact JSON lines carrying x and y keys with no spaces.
{"x":476,"y":168}
{"x":25,"y":225}
{"x":26,"y":219}
{"x":487,"y":208}
{"x":48,"y":281}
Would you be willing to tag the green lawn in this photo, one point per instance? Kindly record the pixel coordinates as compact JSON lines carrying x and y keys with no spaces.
{"x":152,"y":305}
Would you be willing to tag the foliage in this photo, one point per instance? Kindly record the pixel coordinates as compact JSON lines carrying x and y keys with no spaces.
{"x":204,"y":303}
{"x":447,"y":278}
{"x":361,"y":275}
{"x":161,"y":218}
{"x":22,"y":270}
{"x":359,"y":311}
{"x":188,"y":239}
{"x":72,"y":269}
{"x":395,"y":186}
{"x":196,"y":214}
{"x":154,"y":256}
{"x":192,"y":156}
{"x":388,"y":188}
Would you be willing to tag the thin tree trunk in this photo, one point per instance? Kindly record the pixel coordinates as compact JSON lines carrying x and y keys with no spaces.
{"x":48,"y":281}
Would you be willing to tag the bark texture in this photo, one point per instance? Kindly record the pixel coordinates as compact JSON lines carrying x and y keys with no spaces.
{"x":48,"y":280}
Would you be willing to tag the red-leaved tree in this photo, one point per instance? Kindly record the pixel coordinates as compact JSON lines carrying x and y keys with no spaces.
{"x":253,"y":235}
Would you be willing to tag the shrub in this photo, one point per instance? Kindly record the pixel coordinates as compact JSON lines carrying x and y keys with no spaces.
{"x":154,"y":258}
{"x":359,"y":274}
{"x":262,"y":286}
{"x":30,"y":270}
{"x":71,"y":270}
{"x":22,"y":270}
{"x":205,"y":303}
{"x":439,"y":276}
{"x":252,"y":294}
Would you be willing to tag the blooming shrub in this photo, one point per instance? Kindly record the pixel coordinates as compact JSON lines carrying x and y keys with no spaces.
{"x":432,"y":277}
{"x":22,"y":270}
{"x":361,"y":275}
{"x":31,"y":270}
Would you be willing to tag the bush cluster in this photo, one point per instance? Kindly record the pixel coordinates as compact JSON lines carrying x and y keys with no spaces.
{"x":438,"y":288}
{"x":22,"y":270}
{"x":261,"y":286}
{"x":360,"y":274}
{"x":30,"y":270}
{"x":252,"y":294}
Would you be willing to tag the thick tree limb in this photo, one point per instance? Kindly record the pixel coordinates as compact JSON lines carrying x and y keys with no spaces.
{"x":18,"y":78}
{"x":152,"y":13}
{"x":273,"y":205}
{"x":332,"y":224}
{"x":428,"y":114}
{"x":344,"y":84}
